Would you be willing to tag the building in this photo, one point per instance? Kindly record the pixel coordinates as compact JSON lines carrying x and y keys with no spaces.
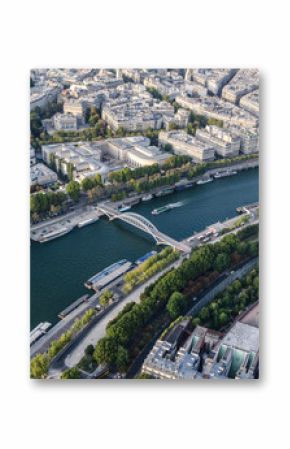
{"x":237,"y":355}
{"x":75,"y":107}
{"x":165,"y":85}
{"x":207,"y":354}
{"x":132,"y":116}
{"x":32,"y":156}
{"x":216,"y":108}
{"x":179,"y":120}
{"x":225,"y":143}
{"x":88,"y":158}
{"x":136,"y":75}
{"x":134,"y":151}
{"x":244,"y":82}
{"x":41,"y":96}
{"x":83,"y":157}
{"x":249,"y":138}
{"x":62,"y":122}
{"x":178,"y":355}
{"x":213,"y":79}
{"x":250,"y":102}
{"x":193,"y":89}
{"x":185,"y":144}
{"x":41,"y":175}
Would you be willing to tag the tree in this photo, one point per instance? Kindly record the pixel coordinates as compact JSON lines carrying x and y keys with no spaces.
{"x":106,"y":350}
{"x":223,"y":318}
{"x":39,"y":366}
{"x":204,"y":314}
{"x":176,"y":305}
{"x":105,"y":298}
{"x":88,"y":183}
{"x":72,"y":373}
{"x":89,"y":350}
{"x":196,"y":322}
{"x":73,"y":189}
{"x":222,"y":261}
{"x":122,"y":358}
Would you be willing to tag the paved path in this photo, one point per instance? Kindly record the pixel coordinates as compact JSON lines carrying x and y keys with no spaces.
{"x":55,"y":332}
{"x":72,"y":357}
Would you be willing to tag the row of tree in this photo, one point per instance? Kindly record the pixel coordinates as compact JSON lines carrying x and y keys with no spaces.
{"x":114,"y":348}
{"x":148,"y":268}
{"x":46,"y":201}
{"x":40,"y":363}
{"x":105,"y":298}
{"x":126,"y":174}
{"x":230,"y":303}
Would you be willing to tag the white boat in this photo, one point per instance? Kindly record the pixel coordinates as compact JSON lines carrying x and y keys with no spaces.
{"x":55,"y":234}
{"x":124,"y":208}
{"x":166,"y":208}
{"x":204,"y":181}
{"x":147,"y":197}
{"x":224,"y":174}
{"x":87,"y":221}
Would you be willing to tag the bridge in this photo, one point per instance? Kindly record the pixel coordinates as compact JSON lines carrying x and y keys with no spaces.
{"x":144,"y":225}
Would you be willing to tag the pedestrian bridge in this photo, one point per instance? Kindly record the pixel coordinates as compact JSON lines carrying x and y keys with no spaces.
{"x":144,"y":225}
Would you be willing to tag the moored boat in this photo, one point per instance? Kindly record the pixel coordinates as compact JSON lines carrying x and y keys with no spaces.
{"x":147,"y":197}
{"x":224,"y":174}
{"x":124,"y":208}
{"x":164,"y":192}
{"x":204,"y":181}
{"x":87,"y":221}
{"x":55,"y":234}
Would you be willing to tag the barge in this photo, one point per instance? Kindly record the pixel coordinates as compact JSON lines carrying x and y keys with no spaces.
{"x":108,"y":275}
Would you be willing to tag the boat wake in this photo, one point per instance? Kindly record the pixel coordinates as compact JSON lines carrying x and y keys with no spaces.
{"x":178,"y":204}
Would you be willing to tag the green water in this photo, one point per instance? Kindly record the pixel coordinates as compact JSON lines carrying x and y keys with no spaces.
{"x":59,"y":268}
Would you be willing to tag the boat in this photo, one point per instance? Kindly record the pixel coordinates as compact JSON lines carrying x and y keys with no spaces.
{"x":87,"y":221}
{"x":55,"y":234}
{"x":183,"y":184}
{"x":147,"y":197}
{"x":109,"y":274}
{"x":145,"y":257}
{"x":165,"y":208}
{"x":224,"y":174}
{"x":39,"y":331}
{"x":160,"y":210}
{"x":204,"y":181}
{"x":124,"y":207}
{"x":164,"y":192}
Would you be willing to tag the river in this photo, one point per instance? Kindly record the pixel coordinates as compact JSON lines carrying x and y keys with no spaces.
{"x":59,"y":268}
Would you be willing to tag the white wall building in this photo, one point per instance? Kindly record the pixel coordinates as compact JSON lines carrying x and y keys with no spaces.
{"x":41,"y":175}
{"x":225,"y":143}
{"x":249,"y":138}
{"x":185,"y":144}
{"x":244,"y":82}
{"x":250,"y":102}
{"x":214,"y":107}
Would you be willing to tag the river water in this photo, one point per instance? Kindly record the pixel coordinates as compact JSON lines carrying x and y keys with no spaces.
{"x":59,"y":268}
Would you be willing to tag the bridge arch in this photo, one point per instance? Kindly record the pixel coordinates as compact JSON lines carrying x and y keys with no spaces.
{"x":144,"y":225}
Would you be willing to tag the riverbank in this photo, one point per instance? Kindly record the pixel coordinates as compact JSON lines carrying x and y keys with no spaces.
{"x":85,"y":215}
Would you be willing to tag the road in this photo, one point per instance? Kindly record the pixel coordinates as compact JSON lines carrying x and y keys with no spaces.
{"x":56,"y":331}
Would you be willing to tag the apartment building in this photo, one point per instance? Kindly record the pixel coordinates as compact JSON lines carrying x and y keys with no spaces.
{"x":185,"y":144}
{"x":225,"y":143}
{"x":244,"y":82}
